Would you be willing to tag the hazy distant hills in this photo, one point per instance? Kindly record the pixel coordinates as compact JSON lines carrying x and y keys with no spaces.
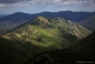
{"x":38,"y":35}
{"x":11,"y":21}
{"x":69,"y":15}
{"x":16,"y":17}
{"x":89,"y":23}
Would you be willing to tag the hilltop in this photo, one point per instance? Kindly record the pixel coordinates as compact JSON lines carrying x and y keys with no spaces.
{"x":38,"y":35}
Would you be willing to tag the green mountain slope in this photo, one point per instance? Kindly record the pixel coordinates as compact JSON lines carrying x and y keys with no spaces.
{"x":49,"y":32}
{"x":12,"y":52}
{"x":84,"y":50}
{"x":85,"y":46}
{"x":2,"y":31}
{"x":38,"y":35}
{"x":89,"y":23}
{"x":8,"y":26}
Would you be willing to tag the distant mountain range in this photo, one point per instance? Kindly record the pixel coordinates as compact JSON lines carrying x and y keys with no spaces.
{"x":89,"y":23}
{"x":38,"y":35}
{"x":12,"y":21}
{"x":16,"y":17}
{"x":69,"y":15}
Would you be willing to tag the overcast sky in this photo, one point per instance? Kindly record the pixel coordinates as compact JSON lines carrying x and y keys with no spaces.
{"x":36,"y":6}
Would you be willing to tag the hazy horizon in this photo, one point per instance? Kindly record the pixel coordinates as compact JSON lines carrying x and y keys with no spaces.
{"x":44,"y":11}
{"x":37,"y":6}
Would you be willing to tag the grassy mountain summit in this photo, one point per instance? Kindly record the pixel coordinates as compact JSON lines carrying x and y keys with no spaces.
{"x":38,"y":35}
{"x":48,"y":31}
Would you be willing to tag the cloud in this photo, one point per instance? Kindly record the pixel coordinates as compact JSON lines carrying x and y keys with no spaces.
{"x":13,"y":3}
{"x":64,"y":2}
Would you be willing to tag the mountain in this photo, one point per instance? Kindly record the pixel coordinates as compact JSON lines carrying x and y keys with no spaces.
{"x":68,"y":15}
{"x":89,"y":23}
{"x":14,"y":52}
{"x":38,"y":35}
{"x":11,"y":21}
{"x":18,"y":18}
{"x":82,"y":52}
{"x":86,"y":46}
{"x":2,"y":15}
{"x":8,"y":26}
{"x":2,"y":31}
{"x":46,"y":28}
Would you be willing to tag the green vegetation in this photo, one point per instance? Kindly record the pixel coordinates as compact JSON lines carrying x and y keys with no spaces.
{"x":83,"y":50}
{"x":12,"y":52}
{"x":86,"y":46}
{"x":38,"y":35}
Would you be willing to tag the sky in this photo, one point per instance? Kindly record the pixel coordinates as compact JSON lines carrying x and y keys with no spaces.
{"x":37,"y":6}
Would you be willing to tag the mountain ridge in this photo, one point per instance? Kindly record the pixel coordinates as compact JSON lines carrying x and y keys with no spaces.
{"x":13,"y":20}
{"x":38,"y":35}
{"x":44,"y":24}
{"x":89,"y":23}
{"x":68,"y":15}
{"x":83,"y":50}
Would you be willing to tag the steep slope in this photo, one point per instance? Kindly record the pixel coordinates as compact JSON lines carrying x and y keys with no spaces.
{"x":77,"y":53}
{"x":38,"y":35}
{"x":10,"y":52}
{"x":85,"y":46}
{"x":47,"y":31}
{"x":2,"y":31}
{"x":89,"y":23}
{"x":13,"y":52}
{"x":8,"y":26}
